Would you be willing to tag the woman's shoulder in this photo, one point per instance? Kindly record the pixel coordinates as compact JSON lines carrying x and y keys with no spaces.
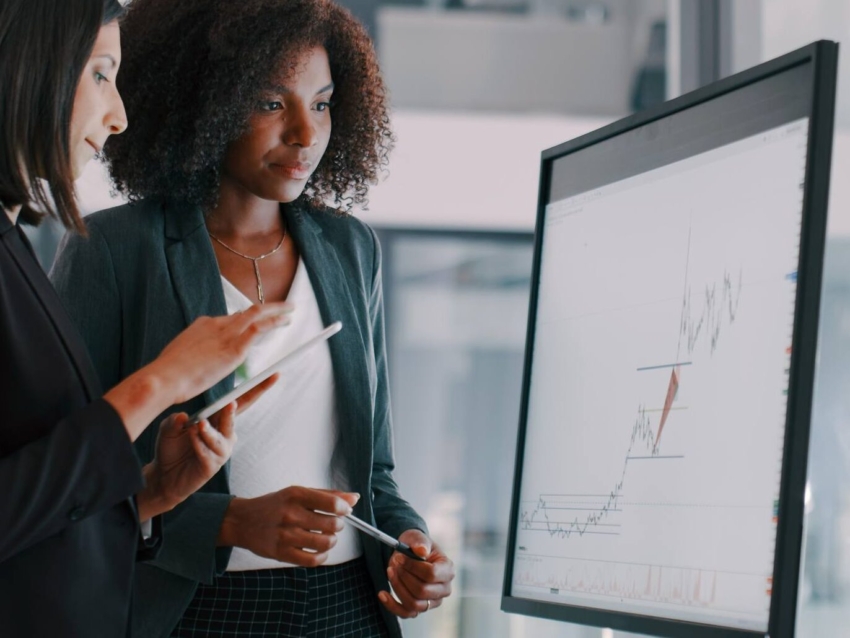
{"x":127,"y":220}
{"x":343,"y":226}
{"x":348,"y":235}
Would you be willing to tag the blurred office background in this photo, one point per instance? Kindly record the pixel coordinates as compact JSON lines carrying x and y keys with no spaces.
{"x":479,"y":88}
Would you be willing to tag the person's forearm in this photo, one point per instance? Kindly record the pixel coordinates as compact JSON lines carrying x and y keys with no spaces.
{"x":140,"y":398}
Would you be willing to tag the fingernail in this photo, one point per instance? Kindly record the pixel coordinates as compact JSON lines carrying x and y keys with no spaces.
{"x":383,"y":597}
{"x":356,"y":497}
{"x":391,"y":572}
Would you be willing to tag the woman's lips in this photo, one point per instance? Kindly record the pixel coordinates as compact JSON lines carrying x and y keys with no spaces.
{"x":294,"y":170}
{"x":93,"y":145}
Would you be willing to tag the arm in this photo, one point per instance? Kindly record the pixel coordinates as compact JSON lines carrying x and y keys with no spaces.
{"x":85,"y":465}
{"x":420,"y":586}
{"x":393,"y":514}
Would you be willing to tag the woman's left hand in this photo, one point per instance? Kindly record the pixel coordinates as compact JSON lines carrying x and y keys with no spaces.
{"x":420,"y":586}
{"x":186,"y":458}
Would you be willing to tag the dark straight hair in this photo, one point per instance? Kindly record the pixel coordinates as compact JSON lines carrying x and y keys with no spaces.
{"x":44,"y":47}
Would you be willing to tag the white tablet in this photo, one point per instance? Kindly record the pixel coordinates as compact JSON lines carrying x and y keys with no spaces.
{"x":257,"y":379}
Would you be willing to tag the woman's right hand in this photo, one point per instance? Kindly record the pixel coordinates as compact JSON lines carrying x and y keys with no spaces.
{"x":196,"y":359}
{"x":213,"y":347}
{"x":286,"y":525}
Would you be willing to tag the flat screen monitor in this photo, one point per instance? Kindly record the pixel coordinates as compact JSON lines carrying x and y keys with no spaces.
{"x":669,"y":365}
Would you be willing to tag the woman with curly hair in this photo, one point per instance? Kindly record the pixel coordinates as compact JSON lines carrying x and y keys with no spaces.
{"x":257,"y":126}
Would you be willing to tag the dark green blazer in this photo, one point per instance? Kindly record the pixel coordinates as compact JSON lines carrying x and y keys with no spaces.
{"x":146,"y":271}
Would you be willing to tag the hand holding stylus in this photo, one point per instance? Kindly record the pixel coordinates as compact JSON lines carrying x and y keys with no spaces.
{"x":419,"y":585}
{"x":291,"y":525}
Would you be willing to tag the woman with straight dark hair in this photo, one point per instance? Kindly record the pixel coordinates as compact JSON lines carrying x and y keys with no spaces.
{"x":73,"y":492}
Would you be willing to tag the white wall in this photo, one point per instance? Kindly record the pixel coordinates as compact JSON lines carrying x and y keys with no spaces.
{"x":470,"y":171}
{"x":504,"y":62}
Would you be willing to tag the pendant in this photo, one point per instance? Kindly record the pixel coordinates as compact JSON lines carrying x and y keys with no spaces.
{"x":260,"y":295}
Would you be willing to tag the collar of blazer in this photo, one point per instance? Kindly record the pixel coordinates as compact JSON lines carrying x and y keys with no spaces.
{"x":197,"y":281}
{"x":22,"y":253}
{"x":5,"y":223}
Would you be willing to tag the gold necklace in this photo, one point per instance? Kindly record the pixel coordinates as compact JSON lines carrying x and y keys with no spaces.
{"x":254,"y":260}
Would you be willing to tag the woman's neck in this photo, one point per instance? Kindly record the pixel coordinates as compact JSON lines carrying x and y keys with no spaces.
{"x":239,"y":214}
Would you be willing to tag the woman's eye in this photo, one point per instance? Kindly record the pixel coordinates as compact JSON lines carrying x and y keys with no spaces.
{"x":100,"y":77}
{"x":323,"y":106}
{"x":271,"y":106}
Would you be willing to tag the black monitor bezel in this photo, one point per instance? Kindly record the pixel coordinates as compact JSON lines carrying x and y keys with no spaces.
{"x":823,"y":55}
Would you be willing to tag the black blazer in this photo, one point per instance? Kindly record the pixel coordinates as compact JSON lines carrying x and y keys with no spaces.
{"x":70,"y":532}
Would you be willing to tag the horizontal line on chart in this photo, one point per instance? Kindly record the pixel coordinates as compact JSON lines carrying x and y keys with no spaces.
{"x":576,"y":509}
{"x":543,"y":529}
{"x":684,"y":407}
{"x":620,"y":562}
{"x":594,"y":502}
{"x":571,"y":496}
{"x":570,"y":523}
{"x":621,"y":497}
{"x":653,"y":458}
{"x":650,"y":504}
{"x":666,"y":365}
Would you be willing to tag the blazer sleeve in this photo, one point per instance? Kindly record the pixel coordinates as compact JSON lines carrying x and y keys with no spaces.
{"x":86,"y":464}
{"x":393,"y":514}
{"x":85,"y":278}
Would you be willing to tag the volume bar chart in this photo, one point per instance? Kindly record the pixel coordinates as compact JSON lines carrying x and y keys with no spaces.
{"x":664,"y":584}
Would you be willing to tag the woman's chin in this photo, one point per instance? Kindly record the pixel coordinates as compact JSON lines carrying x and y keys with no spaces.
{"x":289,"y":195}
{"x":78,"y":166}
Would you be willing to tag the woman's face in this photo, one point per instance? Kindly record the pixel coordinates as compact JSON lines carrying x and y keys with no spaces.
{"x":98,"y":109}
{"x":288,"y":135}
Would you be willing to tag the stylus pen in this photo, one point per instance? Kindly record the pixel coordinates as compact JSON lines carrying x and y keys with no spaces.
{"x":374,"y":532}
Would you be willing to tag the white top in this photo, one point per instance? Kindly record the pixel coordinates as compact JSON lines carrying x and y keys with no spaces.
{"x":288,"y":436}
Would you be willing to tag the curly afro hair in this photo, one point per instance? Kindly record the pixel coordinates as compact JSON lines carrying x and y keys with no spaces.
{"x":193,"y":71}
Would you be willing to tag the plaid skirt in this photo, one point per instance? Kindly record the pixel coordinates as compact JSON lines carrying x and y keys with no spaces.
{"x":338,"y":600}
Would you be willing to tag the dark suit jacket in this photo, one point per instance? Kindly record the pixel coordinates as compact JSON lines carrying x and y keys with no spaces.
{"x":67,"y":469}
{"x":146,"y":272}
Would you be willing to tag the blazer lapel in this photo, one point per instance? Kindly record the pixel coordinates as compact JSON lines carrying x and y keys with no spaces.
{"x":194,"y":272}
{"x":351,"y":375}
{"x":23,"y":254}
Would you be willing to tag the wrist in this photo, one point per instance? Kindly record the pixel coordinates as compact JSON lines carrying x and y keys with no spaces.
{"x":153,"y":500}
{"x":228,"y":534}
{"x":138,"y":399}
{"x":154,"y":379}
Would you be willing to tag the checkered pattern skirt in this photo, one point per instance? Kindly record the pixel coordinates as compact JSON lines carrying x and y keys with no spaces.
{"x":338,"y":600}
